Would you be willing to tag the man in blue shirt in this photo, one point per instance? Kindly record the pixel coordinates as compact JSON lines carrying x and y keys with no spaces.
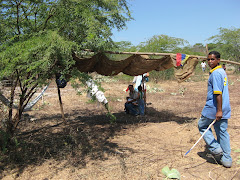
{"x":217,"y":107}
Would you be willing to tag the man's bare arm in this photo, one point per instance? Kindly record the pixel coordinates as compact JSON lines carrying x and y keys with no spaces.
{"x":219,"y":107}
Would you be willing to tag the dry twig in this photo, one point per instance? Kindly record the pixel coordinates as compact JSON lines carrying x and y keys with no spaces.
{"x":235,"y":173}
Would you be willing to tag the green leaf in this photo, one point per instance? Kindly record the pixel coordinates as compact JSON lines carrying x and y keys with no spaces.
{"x":166,"y":170}
{"x":171,"y":174}
{"x":236,"y":150}
{"x":174,"y":174}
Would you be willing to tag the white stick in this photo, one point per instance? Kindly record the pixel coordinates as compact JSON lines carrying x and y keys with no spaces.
{"x":201,"y":137}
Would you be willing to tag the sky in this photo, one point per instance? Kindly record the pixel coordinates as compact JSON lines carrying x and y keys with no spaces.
{"x":191,"y":20}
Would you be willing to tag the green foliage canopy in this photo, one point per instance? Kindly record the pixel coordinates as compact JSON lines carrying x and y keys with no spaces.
{"x":38,"y":58}
{"x":40,"y":34}
{"x":38,"y":38}
{"x":87,"y":22}
{"x":161,"y":43}
{"x":228,"y":43}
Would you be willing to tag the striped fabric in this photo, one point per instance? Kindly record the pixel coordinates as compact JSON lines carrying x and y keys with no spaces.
{"x":181,"y":59}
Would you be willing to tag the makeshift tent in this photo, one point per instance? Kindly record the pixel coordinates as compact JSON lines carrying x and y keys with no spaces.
{"x":139,"y":63}
{"x":136,"y":64}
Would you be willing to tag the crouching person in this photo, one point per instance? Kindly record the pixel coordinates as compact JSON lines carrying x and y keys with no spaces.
{"x":131,"y":104}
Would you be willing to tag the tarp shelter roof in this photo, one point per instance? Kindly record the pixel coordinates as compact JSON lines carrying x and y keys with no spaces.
{"x":138,"y":63}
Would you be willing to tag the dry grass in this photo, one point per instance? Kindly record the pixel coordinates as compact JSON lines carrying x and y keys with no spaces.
{"x":88,"y":147}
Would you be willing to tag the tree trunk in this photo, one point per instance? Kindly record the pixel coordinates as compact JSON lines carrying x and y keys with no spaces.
{"x":10,"y":111}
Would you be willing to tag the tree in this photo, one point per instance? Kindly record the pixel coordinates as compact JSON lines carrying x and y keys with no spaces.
{"x":121,"y":46}
{"x":124,"y":46}
{"x":212,"y":46}
{"x":199,"y":47}
{"x":228,"y":43}
{"x":196,"y":49}
{"x":38,"y":38}
{"x":161,"y":43}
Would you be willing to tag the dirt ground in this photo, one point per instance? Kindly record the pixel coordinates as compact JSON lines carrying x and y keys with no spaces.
{"x":89,"y":147}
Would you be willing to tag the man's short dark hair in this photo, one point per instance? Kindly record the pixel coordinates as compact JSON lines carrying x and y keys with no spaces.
{"x":217,"y":54}
{"x":130,"y":85}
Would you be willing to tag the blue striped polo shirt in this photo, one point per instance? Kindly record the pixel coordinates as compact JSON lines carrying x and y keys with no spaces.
{"x":217,"y":84}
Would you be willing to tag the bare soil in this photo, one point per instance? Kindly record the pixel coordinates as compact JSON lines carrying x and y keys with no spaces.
{"x":89,"y":147}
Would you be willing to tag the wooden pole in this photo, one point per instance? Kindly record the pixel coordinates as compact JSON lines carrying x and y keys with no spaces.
{"x":60,"y":102}
{"x":206,"y":49}
{"x":145,"y":95}
{"x":200,"y":58}
{"x":140,"y":53}
{"x":134,"y":53}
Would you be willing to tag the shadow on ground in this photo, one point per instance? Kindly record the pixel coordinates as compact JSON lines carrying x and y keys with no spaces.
{"x":209,"y":157}
{"x":85,"y":136}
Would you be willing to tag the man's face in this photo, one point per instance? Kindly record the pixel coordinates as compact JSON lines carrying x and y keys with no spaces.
{"x":130,"y":88}
{"x":212,"y":61}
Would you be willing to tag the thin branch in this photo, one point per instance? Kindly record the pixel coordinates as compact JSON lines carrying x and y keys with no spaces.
{"x":51,"y":14}
{"x":20,"y":110}
{"x":30,"y":91}
{"x":45,"y":24}
{"x":26,"y":15}
{"x":209,"y":173}
{"x":18,"y":20}
{"x":35,"y":21}
{"x":18,"y":79}
{"x":28,"y":99}
{"x":235,"y":173}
